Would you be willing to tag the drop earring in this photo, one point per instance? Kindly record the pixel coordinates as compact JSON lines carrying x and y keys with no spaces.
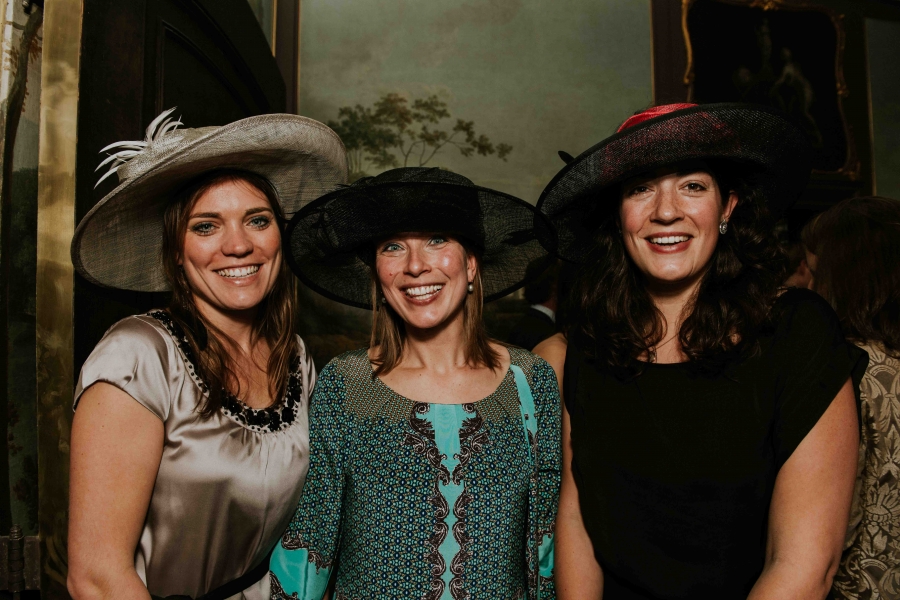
{"x":723,"y":227}
{"x":471,"y":288}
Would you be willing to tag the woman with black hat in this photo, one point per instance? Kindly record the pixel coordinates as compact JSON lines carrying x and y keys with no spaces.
{"x":190,"y":442}
{"x":435,"y":452}
{"x":710,"y":429}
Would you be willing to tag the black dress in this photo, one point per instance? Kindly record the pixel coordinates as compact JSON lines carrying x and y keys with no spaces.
{"x":675,"y":470}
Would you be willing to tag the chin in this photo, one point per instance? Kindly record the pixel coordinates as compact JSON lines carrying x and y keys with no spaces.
{"x":239,"y":304}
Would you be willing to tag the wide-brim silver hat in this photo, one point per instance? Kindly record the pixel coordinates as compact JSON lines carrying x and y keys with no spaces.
{"x":118,"y":243}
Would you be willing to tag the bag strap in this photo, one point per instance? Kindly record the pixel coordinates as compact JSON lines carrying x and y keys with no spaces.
{"x":529,"y":425}
{"x":526,"y":407}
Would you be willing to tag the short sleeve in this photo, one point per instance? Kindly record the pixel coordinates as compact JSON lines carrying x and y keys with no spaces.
{"x":811,"y":360}
{"x":134,"y":356}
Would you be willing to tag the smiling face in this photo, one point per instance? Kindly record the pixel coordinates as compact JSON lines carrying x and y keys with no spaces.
{"x":231,"y":254}
{"x":424,"y":277}
{"x":670,"y":225}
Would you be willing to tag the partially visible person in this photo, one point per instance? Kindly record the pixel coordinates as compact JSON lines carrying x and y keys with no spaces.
{"x":798,"y":269}
{"x":854,"y":249}
{"x":190,"y":442}
{"x":709,"y":430}
{"x":539,"y":322}
{"x":435,"y":451}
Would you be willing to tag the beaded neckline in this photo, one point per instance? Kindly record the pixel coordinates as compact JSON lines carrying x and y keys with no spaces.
{"x":277,"y":417}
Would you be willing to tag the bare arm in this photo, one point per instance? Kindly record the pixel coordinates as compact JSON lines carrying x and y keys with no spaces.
{"x":116,"y":450}
{"x":810,"y":508}
{"x":578,"y":575}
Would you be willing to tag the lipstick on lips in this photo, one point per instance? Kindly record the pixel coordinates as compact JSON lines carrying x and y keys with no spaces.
{"x":667,"y":243}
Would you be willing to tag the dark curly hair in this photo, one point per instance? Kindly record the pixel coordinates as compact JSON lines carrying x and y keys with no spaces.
{"x":615,"y":319}
{"x":857,"y":248}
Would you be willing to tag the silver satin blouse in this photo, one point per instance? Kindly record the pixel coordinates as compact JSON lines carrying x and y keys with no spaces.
{"x":226,"y":486}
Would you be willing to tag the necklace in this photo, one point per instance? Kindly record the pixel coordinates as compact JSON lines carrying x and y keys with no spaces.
{"x":652,"y":352}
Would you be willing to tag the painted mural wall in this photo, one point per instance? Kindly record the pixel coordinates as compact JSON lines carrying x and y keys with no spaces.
{"x":536,"y":78}
{"x":884,"y":73}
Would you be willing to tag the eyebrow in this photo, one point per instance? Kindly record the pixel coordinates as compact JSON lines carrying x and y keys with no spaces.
{"x":214,"y":215}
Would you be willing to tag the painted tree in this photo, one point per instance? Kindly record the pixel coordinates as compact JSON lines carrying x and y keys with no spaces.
{"x":394,"y":132}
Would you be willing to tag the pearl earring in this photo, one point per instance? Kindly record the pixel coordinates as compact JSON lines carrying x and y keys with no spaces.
{"x":471,"y":288}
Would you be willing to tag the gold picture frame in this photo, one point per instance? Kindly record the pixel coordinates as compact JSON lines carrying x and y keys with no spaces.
{"x":851,"y":169}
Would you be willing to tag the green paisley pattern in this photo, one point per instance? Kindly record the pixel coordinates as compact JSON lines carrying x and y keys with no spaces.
{"x":411,"y":500}
{"x":870,"y":566}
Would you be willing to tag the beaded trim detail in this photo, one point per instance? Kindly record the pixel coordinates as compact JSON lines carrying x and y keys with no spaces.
{"x":277,"y":417}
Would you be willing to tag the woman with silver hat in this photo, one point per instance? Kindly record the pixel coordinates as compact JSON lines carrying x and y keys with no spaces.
{"x":190,"y":442}
{"x":709,"y":428}
{"x":435,"y":451}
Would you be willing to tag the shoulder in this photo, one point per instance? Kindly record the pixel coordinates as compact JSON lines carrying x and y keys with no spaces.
{"x":802,"y":319}
{"x":553,"y":350}
{"x":537,"y":370}
{"x":137,"y":355}
{"x":135,"y":337}
{"x":799,"y":305}
{"x":352,"y":361}
{"x":882,"y":372}
{"x":352,"y":365}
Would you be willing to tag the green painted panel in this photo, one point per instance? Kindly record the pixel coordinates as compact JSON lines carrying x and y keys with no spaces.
{"x":883,"y":40}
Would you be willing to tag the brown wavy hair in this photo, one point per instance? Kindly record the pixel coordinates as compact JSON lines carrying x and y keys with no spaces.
{"x":275,"y":319}
{"x":613,"y":315}
{"x":389,"y":330}
{"x":857,"y":248}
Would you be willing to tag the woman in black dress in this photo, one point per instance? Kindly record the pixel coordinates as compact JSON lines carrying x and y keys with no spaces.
{"x":710,"y":430}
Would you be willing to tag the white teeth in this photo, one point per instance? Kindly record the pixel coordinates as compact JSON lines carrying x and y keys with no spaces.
{"x":240,"y":272}
{"x":423,"y":290}
{"x":672,"y":239}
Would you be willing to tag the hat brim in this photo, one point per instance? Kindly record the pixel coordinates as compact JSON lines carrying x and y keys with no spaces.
{"x":757,"y":140}
{"x":118,"y":243}
{"x":339,"y":272}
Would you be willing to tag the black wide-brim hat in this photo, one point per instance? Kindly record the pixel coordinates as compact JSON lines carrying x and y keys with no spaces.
{"x":329,"y":244}
{"x":758,"y":142}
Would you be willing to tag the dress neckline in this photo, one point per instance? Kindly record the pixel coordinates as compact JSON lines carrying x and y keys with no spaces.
{"x":378,"y":381}
{"x":277,"y":417}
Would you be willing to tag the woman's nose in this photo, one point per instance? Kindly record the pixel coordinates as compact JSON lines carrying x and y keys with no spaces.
{"x":416,"y":262}
{"x":665,"y":209}
{"x":236,"y":242}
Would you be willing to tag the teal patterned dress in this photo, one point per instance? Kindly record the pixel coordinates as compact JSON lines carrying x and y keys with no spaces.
{"x":413,"y":500}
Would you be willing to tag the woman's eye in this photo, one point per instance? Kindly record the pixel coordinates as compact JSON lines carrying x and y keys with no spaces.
{"x":204,"y":228}
{"x":695,"y":186}
{"x":437,"y":239}
{"x":638,"y":189}
{"x":391,"y":247}
{"x":260,"y":222}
